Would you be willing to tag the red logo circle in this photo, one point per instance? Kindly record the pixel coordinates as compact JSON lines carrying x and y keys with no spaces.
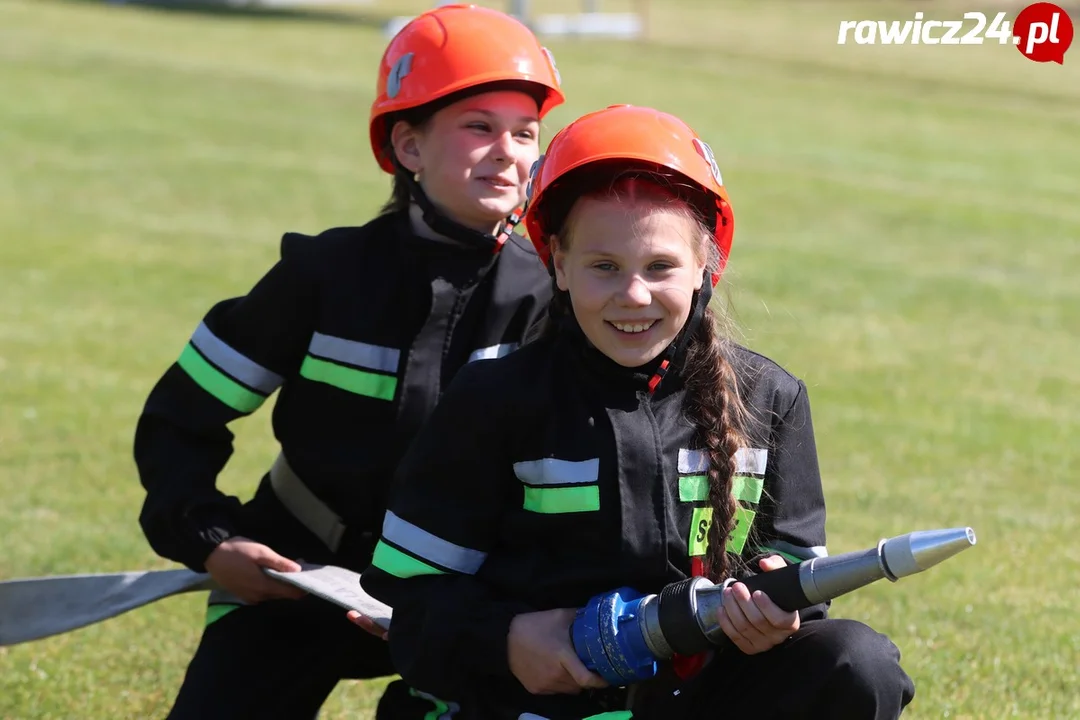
{"x":1043,"y":32}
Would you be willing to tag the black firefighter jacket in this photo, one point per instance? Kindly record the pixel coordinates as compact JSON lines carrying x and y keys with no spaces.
{"x":552,"y":475}
{"x":359,"y":330}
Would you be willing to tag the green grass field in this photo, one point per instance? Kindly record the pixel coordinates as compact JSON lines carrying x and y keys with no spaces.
{"x":907,"y":243}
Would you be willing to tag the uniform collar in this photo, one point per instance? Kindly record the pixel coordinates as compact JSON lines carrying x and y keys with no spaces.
{"x":421,"y":239}
{"x":602,"y":372}
{"x":420,"y":228}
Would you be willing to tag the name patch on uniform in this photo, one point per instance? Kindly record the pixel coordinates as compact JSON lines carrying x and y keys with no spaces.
{"x":701,"y":521}
{"x":699,"y":531}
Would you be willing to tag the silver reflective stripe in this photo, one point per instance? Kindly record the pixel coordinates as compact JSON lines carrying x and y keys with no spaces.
{"x":804,"y":553}
{"x":250,"y":373}
{"x":748,"y":461}
{"x":751,"y":461}
{"x":495,"y":351}
{"x":550,"y":471}
{"x":357,"y":354}
{"x":304,"y":505}
{"x":426,"y":546}
{"x":693,"y":461}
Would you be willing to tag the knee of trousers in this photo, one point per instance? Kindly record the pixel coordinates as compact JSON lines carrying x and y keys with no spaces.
{"x":866,"y":663}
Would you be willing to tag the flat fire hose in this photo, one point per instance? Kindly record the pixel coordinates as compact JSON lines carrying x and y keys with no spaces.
{"x":40,"y":607}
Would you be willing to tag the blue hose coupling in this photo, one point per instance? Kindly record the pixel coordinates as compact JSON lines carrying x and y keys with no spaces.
{"x":609,"y":638}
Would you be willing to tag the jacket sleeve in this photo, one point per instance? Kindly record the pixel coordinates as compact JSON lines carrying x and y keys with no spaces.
{"x":449,"y":627}
{"x":241,"y":352}
{"x":793,"y":522}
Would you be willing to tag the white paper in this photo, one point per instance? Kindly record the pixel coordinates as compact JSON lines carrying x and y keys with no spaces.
{"x":339,"y":586}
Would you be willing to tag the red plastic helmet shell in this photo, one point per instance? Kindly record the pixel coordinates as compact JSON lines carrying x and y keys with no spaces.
{"x":455,"y":48}
{"x":641,"y":136}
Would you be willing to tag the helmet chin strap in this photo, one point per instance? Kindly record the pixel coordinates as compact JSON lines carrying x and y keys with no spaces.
{"x":440,"y":223}
{"x":677,"y":349}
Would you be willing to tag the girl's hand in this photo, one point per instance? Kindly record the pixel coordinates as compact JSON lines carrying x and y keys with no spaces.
{"x":367,"y":623}
{"x":237,"y":564}
{"x":755,"y":624}
{"x":542,"y":656}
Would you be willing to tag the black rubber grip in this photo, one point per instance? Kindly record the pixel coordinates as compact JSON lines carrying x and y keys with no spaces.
{"x":677,"y":620}
{"x":782,"y":586}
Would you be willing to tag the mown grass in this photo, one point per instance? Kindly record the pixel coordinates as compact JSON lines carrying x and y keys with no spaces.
{"x":907,"y":244}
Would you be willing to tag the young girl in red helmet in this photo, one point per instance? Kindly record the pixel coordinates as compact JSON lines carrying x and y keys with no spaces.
{"x":359,"y":329}
{"x":632,"y":445}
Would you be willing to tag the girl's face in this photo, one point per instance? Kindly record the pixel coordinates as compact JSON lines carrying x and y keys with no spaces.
{"x":474,"y":156}
{"x":631,"y":270}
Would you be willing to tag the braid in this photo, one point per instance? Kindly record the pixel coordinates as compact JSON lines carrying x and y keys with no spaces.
{"x":720,"y":416}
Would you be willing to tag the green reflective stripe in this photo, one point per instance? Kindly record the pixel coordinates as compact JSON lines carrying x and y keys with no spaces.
{"x":694,"y":488}
{"x":216,"y":612}
{"x":562,"y":500}
{"x":744,"y":518}
{"x":787,"y":556}
{"x":368,"y":384}
{"x":613,"y":715}
{"x":391,"y":560}
{"x":746,"y":488}
{"x":218,"y":384}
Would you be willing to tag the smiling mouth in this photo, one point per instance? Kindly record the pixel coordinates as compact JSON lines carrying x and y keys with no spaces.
{"x":633,"y":328}
{"x":497,"y":182}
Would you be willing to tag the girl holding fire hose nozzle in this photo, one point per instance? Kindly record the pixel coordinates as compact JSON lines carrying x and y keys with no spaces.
{"x":630,"y":445}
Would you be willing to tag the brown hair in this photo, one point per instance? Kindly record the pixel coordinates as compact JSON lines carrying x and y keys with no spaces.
{"x":713,"y":403}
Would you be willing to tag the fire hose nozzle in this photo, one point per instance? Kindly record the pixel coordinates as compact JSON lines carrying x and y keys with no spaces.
{"x":624,"y":633}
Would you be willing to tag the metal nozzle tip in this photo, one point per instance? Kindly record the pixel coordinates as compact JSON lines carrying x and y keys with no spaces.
{"x":912,"y":553}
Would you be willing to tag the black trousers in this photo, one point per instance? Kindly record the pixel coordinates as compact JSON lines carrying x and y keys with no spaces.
{"x":830,"y":669}
{"x":835,"y":669}
{"x":282,"y":659}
